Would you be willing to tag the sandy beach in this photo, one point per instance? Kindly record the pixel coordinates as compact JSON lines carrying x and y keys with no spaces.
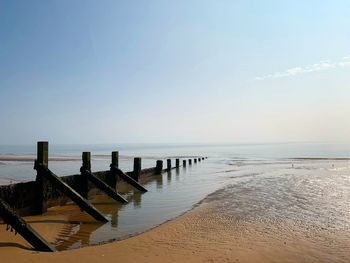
{"x":198,"y":236}
{"x":211,"y":232}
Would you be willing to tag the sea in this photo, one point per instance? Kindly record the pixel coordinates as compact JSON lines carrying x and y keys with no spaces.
{"x":290,"y":181}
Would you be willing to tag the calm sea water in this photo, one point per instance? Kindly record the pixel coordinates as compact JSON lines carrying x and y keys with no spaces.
{"x":267,"y":182}
{"x":16,"y":171}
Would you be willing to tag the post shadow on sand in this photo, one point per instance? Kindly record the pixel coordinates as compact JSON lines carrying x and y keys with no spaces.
{"x":12,"y":244}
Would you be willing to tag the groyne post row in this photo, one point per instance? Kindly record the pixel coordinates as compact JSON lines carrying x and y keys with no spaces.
{"x":48,"y":186}
{"x":45,"y":177}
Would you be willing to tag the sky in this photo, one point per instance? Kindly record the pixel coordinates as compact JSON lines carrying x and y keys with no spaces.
{"x":181,"y":71}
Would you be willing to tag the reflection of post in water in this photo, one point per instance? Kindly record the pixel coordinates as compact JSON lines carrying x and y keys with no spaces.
{"x":114,"y":219}
{"x":77,"y":239}
{"x":159,"y":181}
{"x":107,"y":207}
{"x":137,"y":199}
{"x":168,"y":168}
{"x":168,"y":173}
{"x":177,"y":173}
{"x":82,"y":236}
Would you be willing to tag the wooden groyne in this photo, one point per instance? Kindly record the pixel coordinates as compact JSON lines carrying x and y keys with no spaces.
{"x":49,"y":189}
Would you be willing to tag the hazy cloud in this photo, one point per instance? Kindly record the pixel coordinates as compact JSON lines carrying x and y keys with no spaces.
{"x":322,"y":65}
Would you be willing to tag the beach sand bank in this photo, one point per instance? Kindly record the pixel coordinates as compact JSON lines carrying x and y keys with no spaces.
{"x":211,"y":232}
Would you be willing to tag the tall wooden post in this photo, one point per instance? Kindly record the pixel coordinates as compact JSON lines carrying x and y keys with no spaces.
{"x":159,"y":166}
{"x":111,"y":179}
{"x":184,"y":163}
{"x":115,"y":159}
{"x":81,"y":181}
{"x":86,"y":158}
{"x":43,"y":153}
{"x":189,"y":161}
{"x":195,"y":160}
{"x":137,"y":168}
{"x":177,"y":163}
{"x":42,"y":184}
{"x":168,"y":164}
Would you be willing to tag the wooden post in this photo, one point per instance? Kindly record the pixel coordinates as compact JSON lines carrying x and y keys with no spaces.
{"x":168,"y":164}
{"x":190,"y":161}
{"x":68,"y":191}
{"x":87,"y":175}
{"x":184,"y":163}
{"x":81,"y":181}
{"x":199,"y":159}
{"x":86,"y":157}
{"x":159,"y":166}
{"x":42,"y":184}
{"x":177,"y":163}
{"x":115,"y":159}
{"x":137,"y":168}
{"x":195,"y":160}
{"x":43,"y":153}
{"x":111,"y":179}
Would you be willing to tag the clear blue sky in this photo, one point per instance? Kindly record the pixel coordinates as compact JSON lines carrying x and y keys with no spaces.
{"x":174,"y":71}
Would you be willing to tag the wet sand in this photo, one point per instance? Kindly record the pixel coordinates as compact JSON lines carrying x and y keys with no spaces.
{"x":194,"y":237}
{"x":211,"y":232}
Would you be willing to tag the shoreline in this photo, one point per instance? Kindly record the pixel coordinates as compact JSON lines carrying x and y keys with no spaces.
{"x":210,"y":232}
{"x":73,"y":216}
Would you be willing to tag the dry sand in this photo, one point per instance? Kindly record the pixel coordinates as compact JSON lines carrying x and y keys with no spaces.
{"x":208,"y":233}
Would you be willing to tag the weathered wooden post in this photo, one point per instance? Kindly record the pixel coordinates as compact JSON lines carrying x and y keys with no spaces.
{"x":159,"y":166}
{"x":137,"y":168}
{"x":111,"y":179}
{"x":168,"y":164}
{"x":43,"y":153}
{"x":190,"y":161}
{"x":40,"y":205}
{"x":195,"y":160}
{"x":81,"y":181}
{"x":115,"y":159}
{"x":177,"y":163}
{"x":86,"y":158}
{"x":115,"y":174}
{"x":184,"y":163}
